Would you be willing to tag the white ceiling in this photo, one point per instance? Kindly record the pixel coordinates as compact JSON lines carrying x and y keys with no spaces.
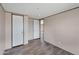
{"x":38,"y":10}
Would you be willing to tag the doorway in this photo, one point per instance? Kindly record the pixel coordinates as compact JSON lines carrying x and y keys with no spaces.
{"x":36,"y":29}
{"x":42,"y":30}
{"x":17,"y":30}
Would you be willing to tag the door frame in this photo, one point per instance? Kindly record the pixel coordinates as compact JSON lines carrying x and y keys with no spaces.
{"x":34,"y":31}
{"x":12,"y":28}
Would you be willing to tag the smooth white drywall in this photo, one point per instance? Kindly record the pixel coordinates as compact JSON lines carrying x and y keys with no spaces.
{"x":26,"y":29}
{"x":7,"y":30}
{"x":2,"y":30}
{"x":31,"y":28}
{"x":62,"y":30}
{"x":38,"y":10}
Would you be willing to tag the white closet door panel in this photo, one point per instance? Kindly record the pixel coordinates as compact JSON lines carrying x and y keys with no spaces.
{"x":17,"y":30}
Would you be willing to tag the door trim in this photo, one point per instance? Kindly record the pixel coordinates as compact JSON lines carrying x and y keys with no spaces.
{"x":12,"y":29}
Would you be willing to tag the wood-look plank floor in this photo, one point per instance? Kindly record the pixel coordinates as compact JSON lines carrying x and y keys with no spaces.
{"x":36,"y":47}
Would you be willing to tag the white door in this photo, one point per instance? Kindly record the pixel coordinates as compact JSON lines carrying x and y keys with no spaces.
{"x":17,"y":30}
{"x":36,"y":29}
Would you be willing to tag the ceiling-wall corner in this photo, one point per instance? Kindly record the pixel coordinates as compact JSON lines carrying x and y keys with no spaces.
{"x":2,"y":7}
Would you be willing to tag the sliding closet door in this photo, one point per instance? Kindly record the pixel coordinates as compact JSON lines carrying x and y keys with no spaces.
{"x":17,"y":30}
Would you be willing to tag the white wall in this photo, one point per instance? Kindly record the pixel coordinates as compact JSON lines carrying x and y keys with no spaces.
{"x":31,"y":29}
{"x":26,"y":29}
{"x":62,"y":30}
{"x":2,"y":30}
{"x":7,"y":30}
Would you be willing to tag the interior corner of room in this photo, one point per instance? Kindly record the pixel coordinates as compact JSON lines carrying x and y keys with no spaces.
{"x":56,"y":25}
{"x":10,"y":23}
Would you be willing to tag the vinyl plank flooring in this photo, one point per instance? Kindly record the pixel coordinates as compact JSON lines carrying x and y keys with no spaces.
{"x":36,"y":47}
